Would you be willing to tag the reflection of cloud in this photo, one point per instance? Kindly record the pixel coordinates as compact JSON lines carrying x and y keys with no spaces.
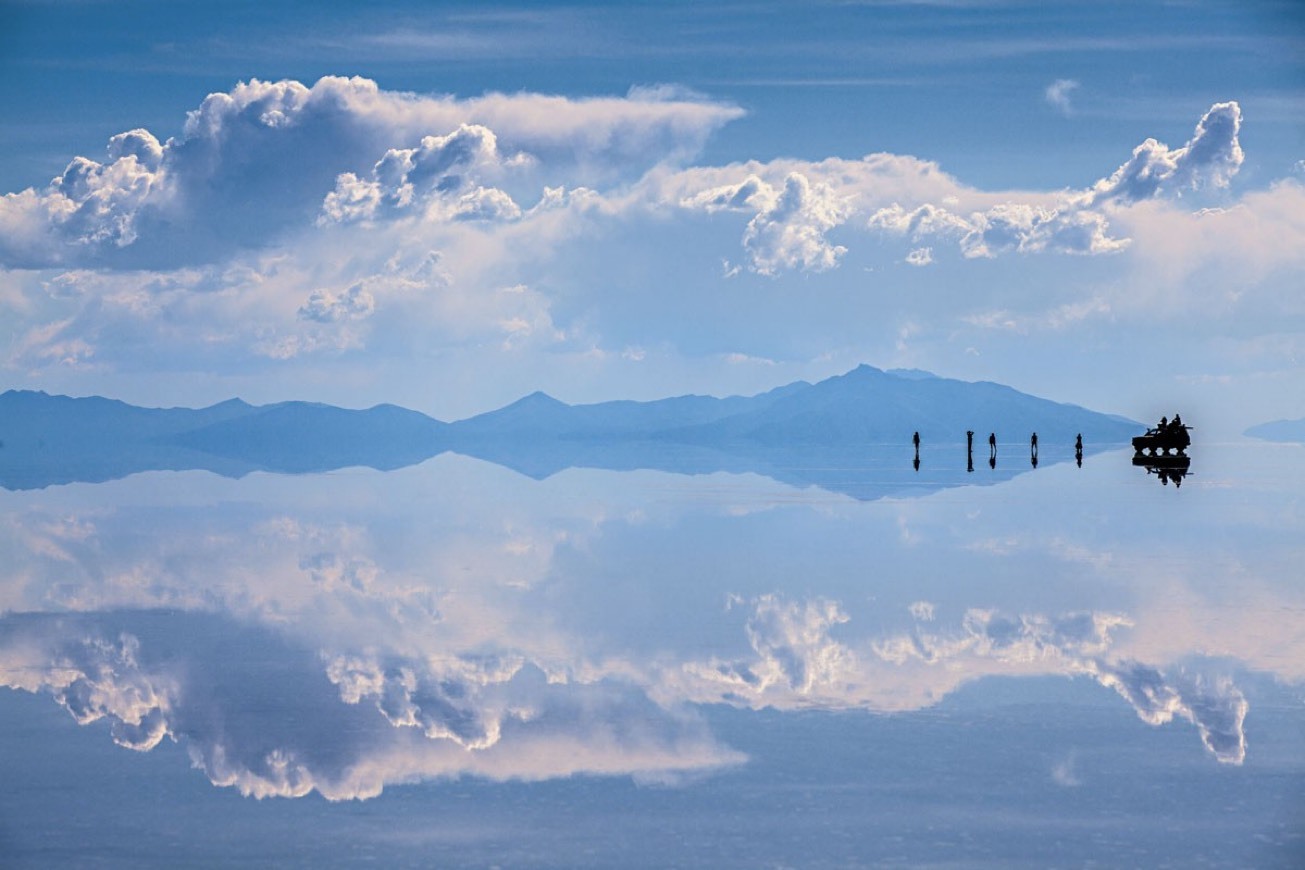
{"x":1015,"y":639}
{"x":796,"y":661}
{"x":96,"y":678}
{"x":269,"y":722}
{"x":1080,"y":643}
{"x":1065,"y":772}
{"x":460,"y":639}
{"x":794,"y":645}
{"x":1216,"y":707}
{"x":799,"y":665}
{"x":922,"y":611}
{"x":451,"y":703}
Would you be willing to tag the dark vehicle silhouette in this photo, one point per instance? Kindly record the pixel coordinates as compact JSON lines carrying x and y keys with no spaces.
{"x":1164,"y":439}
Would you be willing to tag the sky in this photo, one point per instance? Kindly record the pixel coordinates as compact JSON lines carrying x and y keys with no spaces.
{"x":449,"y":206}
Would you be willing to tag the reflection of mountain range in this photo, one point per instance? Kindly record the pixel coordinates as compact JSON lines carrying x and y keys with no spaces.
{"x":1279,"y":430}
{"x":848,"y":433}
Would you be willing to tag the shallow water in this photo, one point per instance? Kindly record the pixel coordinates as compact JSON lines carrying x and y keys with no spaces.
{"x":813,"y":662}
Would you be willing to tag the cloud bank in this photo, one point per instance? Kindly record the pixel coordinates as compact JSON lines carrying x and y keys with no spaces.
{"x":1078,"y":222}
{"x":269,"y":157}
{"x":290,"y":228}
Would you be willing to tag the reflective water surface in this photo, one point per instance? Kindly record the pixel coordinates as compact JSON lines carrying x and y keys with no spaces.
{"x":458,"y":664}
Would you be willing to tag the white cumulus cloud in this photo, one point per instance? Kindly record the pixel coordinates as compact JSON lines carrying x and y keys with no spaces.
{"x":259,"y":160}
{"x":1209,"y":159}
{"x":1079,"y":222}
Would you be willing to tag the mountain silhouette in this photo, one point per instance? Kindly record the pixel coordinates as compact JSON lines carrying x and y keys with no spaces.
{"x":1279,"y":430}
{"x":846,"y":434}
{"x":47,"y":440}
{"x":870,"y":406}
{"x":539,"y":414}
{"x":298,"y":437}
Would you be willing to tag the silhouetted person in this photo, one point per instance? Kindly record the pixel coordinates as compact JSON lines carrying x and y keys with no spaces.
{"x":915,"y":439}
{"x":992,"y":444}
{"x":969,"y":450}
{"x":1078,"y":443}
{"x":1033,"y":442}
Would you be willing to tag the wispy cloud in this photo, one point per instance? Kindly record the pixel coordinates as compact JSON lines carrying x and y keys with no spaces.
{"x":1058,"y":95}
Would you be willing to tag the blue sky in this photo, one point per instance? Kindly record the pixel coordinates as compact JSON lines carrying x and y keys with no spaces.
{"x":1100,"y":203}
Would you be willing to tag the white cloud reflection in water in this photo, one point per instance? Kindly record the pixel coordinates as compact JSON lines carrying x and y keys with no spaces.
{"x":346,"y":632}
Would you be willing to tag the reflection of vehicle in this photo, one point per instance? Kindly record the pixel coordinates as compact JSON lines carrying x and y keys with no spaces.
{"x":1161,"y":440}
{"x":1171,"y":466}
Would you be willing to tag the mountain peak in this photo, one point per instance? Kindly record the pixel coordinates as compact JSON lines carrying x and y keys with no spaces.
{"x":538,"y":399}
{"x":230,"y":404}
{"x":912,"y":374}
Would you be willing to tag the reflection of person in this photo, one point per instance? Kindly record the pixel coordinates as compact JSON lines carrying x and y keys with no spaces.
{"x":992,"y":443}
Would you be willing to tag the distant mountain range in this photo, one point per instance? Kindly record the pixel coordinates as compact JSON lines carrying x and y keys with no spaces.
{"x":1279,"y":430}
{"x":800,"y":433}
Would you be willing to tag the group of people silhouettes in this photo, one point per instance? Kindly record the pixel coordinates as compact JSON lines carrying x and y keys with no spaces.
{"x":992,"y":447}
{"x":1166,"y":426}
